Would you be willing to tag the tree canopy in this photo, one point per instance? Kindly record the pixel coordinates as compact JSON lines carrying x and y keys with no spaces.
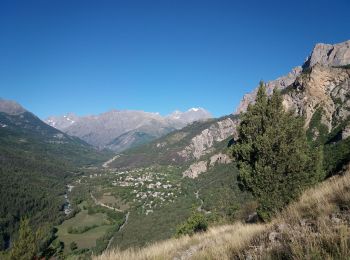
{"x":273,"y":155}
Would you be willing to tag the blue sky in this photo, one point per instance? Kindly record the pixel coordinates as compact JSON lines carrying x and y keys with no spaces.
{"x":88,"y":57}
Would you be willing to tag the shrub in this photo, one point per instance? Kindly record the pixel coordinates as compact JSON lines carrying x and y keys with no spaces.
{"x":73,"y":246}
{"x":197,"y":222}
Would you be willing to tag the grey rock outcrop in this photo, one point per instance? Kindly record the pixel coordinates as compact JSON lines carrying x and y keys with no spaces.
{"x":326,"y":55}
{"x":201,"y":144}
{"x":219,"y":158}
{"x":329,"y":55}
{"x":195,"y":169}
{"x":322,"y":87}
{"x":346,"y":132}
{"x":203,"y":166}
{"x":279,"y":83}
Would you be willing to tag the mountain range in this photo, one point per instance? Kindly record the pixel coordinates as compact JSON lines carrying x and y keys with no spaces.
{"x":187,"y":150}
{"x":319,"y":90}
{"x":119,"y":130}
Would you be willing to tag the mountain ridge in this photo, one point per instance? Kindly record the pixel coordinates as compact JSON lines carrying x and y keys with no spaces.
{"x":103,"y":129}
{"x":330,"y":55}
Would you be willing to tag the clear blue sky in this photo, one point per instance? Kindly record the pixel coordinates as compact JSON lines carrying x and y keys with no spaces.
{"x":87,"y":57}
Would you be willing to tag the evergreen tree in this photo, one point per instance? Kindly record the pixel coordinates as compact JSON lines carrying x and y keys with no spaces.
{"x":273,"y":155}
{"x":24,"y":247}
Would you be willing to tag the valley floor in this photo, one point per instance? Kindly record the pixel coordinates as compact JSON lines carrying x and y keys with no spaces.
{"x":317,"y":226}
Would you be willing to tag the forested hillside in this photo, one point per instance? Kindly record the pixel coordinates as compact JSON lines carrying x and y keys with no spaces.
{"x":37,"y":161}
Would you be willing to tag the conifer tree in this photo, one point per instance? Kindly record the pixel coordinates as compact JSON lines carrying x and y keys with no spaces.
{"x":24,"y":247}
{"x":273,"y":155}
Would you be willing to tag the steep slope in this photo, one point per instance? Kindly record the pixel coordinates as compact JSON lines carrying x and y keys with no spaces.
{"x":116,"y":129}
{"x":195,"y":142}
{"x":326,"y":55}
{"x":198,"y":152}
{"x":36,"y":161}
{"x":27,"y":132}
{"x":320,"y":92}
{"x":315,"y":226}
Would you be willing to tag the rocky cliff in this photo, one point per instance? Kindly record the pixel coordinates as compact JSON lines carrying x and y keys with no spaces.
{"x":324,"y":55}
{"x":319,"y":90}
{"x":202,"y":143}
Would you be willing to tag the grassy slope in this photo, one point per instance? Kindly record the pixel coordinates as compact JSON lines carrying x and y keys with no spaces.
{"x":88,"y":238}
{"x":314,"y":227}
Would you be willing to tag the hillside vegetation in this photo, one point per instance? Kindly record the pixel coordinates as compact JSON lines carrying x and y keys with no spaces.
{"x":314,"y":227}
{"x":36,"y":163}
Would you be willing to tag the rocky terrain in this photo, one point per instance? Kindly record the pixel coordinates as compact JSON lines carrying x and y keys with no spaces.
{"x":196,"y":142}
{"x":203,"y":142}
{"x":323,"y":55}
{"x":120,"y":130}
{"x":319,"y":90}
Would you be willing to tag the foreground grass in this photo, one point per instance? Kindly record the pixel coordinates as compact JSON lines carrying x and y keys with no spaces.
{"x":229,"y":237}
{"x":315,"y":227}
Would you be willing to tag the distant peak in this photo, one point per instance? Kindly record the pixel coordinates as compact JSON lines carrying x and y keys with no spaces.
{"x":195,"y":109}
{"x":11,"y":107}
{"x":329,"y":55}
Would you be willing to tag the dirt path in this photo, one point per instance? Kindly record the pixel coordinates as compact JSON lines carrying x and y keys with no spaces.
{"x":105,"y":164}
{"x":200,"y":209}
{"x":120,"y":228}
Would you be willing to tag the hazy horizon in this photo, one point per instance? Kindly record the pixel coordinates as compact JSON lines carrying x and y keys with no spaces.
{"x":89,"y":57}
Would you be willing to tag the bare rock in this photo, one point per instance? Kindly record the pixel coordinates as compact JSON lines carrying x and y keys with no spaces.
{"x":346,"y":132}
{"x":195,"y":169}
{"x":219,"y":158}
{"x":201,"y":144}
{"x":330,"y":55}
{"x":279,"y":83}
{"x":253,"y":218}
{"x":274,"y":236}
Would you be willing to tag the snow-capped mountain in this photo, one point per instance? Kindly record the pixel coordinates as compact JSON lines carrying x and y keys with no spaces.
{"x":119,"y":130}
{"x":191,"y":115}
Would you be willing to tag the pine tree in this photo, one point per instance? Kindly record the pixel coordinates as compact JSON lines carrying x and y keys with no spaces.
{"x":273,"y":155}
{"x":24,"y":247}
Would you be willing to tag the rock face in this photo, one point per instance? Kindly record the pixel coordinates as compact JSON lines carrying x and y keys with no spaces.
{"x":322,"y":87}
{"x":325,"y":55}
{"x":195,"y":169}
{"x":202,"y":143}
{"x":346,"y":132}
{"x":219,"y":158}
{"x":119,"y":130}
{"x":200,"y":167}
{"x":330,"y":55}
{"x":280,"y":83}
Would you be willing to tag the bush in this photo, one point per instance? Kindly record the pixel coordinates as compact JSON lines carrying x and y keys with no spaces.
{"x":197,"y":222}
{"x":80,"y":230}
{"x":73,"y":246}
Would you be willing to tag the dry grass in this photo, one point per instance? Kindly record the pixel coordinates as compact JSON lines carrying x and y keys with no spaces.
{"x":315,"y":227}
{"x":222,"y":238}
